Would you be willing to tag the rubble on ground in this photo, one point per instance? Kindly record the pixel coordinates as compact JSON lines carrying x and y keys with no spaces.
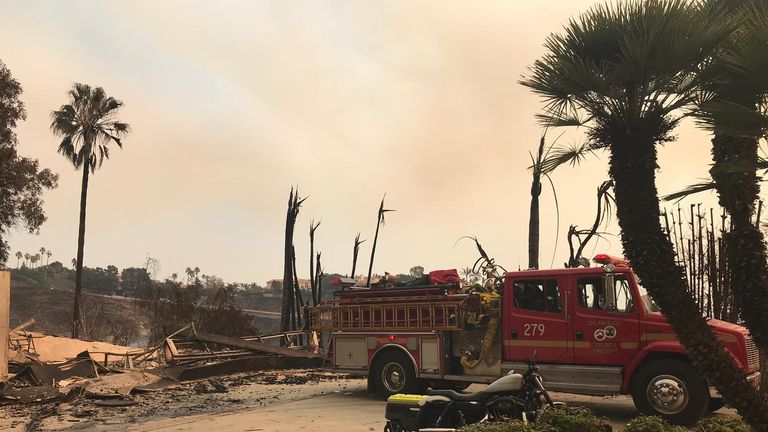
{"x":62,"y":378}
{"x":174,"y":399}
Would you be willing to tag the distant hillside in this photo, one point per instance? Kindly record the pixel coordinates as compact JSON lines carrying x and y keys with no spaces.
{"x":110,"y":320}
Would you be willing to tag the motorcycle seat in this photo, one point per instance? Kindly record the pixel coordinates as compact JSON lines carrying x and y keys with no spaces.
{"x":459,"y":397}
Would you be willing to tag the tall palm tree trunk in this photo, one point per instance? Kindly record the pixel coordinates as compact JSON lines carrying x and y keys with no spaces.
{"x":735,"y":162}
{"x":373,"y":250}
{"x":355,"y":251}
{"x":287,"y":298}
{"x":533,"y":223}
{"x":632,"y":167}
{"x":77,"y":319}
{"x":533,"y":217}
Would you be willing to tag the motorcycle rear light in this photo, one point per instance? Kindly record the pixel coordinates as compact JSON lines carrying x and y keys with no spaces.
{"x":391,"y":338}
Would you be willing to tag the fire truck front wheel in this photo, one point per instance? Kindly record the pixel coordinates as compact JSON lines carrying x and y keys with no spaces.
{"x":394,"y":374}
{"x":670,"y":389}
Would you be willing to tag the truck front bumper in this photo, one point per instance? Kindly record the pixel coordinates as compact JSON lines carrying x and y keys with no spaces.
{"x":753,"y":379}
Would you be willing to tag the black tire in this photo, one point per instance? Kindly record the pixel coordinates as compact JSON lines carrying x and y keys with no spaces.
{"x":715,"y":403}
{"x":672,"y":390}
{"x":394,"y":374}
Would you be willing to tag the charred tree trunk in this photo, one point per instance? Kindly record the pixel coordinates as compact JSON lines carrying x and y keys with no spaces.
{"x":533,"y":217}
{"x":355,"y":251}
{"x":573,"y":261}
{"x":632,"y":167}
{"x":319,"y":277}
{"x":379,"y":222}
{"x":297,"y":318}
{"x":312,"y":281}
{"x":287,"y":315}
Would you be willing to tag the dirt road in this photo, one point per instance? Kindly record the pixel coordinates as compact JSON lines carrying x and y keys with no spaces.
{"x":266,"y":401}
{"x":351,"y":410}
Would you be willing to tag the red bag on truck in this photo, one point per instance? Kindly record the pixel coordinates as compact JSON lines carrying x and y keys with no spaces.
{"x":445,"y":277}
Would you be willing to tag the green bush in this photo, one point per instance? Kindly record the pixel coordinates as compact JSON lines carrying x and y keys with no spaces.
{"x":570,"y":420}
{"x":583,"y":420}
{"x":510,"y":426}
{"x":651,"y":424}
{"x":721,"y":424}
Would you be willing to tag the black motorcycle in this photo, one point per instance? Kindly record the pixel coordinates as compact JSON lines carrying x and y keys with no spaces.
{"x":513,"y":396}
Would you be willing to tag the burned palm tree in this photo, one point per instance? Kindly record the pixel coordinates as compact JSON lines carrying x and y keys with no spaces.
{"x":543,"y":164}
{"x":604,"y":200}
{"x":533,"y":218}
{"x":355,"y":251}
{"x":319,"y":278}
{"x":287,"y":310}
{"x":485,"y":266}
{"x":312,"y":282}
{"x":379,"y":223}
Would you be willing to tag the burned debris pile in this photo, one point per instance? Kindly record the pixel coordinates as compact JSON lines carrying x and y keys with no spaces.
{"x":51,"y":371}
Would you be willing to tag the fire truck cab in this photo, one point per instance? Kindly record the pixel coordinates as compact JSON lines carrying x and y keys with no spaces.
{"x":593,"y":331}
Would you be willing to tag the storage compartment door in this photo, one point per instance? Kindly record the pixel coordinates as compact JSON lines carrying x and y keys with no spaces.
{"x":351,"y":352}
{"x":430,"y":355}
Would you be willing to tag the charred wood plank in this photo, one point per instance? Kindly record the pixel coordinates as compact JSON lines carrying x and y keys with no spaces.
{"x":254,"y":346}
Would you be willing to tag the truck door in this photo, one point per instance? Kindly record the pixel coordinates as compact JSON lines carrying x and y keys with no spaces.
{"x":535,"y":320}
{"x":606,"y":326}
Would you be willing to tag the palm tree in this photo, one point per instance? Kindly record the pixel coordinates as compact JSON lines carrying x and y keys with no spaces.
{"x":624,"y":71}
{"x":42,"y":254}
{"x":738,"y":92}
{"x":26,"y":258}
{"x":34,"y":259}
{"x":87,"y":125}
{"x":18,"y":258}
{"x":48,"y":254}
{"x":544,"y":162}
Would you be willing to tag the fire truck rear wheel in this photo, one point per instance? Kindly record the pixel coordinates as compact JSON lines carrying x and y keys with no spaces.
{"x":670,"y":389}
{"x":394,"y":374}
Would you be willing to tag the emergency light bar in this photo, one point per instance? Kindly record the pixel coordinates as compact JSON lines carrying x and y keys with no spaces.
{"x":605,"y":259}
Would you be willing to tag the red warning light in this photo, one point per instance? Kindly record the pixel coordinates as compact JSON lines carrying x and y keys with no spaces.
{"x":606,"y":259}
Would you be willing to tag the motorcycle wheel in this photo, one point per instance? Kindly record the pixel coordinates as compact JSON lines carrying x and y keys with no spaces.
{"x":393,"y":427}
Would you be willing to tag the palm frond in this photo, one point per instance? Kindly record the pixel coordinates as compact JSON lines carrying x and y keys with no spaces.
{"x":557,"y":218}
{"x":627,"y":60}
{"x":572,"y":155}
{"x":67,"y":149}
{"x":560,"y":120}
{"x":87,"y":125}
{"x":730,"y":118}
{"x":690,"y":190}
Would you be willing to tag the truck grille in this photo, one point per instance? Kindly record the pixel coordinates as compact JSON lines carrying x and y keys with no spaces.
{"x":753,"y":357}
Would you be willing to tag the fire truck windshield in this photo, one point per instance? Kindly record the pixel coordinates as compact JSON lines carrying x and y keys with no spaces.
{"x":648,"y":302}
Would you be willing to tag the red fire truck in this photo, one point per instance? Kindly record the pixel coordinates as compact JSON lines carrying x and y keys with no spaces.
{"x":594,"y":331}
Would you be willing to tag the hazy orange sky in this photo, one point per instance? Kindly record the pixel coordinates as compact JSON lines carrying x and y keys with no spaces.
{"x":232,"y":102}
